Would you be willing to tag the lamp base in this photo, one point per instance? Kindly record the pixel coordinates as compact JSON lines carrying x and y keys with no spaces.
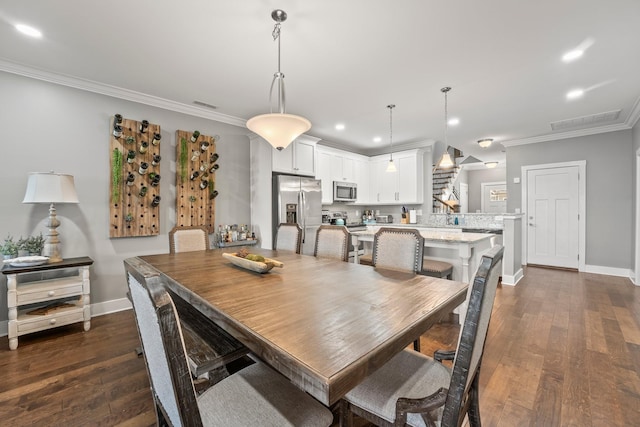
{"x":52,"y":243}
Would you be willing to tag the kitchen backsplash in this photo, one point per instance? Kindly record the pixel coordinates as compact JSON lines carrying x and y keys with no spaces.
{"x":354,"y":213}
{"x":470,"y":220}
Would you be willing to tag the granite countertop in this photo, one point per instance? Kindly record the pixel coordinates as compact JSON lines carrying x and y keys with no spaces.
{"x":453,"y":237}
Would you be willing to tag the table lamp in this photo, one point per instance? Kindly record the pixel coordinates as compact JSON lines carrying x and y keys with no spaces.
{"x":43,"y":187}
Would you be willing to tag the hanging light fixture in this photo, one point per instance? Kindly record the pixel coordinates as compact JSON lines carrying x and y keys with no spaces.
{"x":491,"y":165}
{"x":391,"y":167}
{"x":445,"y":161}
{"x":279,"y":129}
{"x":484,"y":143}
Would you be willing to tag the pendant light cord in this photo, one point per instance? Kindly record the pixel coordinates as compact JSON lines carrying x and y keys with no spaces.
{"x":278,"y":76}
{"x":391,"y":107}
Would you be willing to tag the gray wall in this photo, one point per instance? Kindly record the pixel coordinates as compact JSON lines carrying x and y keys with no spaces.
{"x":635,"y":132}
{"x":609,"y":163}
{"x":476,"y":177}
{"x":52,"y":127}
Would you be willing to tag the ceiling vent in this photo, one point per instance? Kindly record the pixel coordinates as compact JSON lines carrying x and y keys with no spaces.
{"x":587,"y":121}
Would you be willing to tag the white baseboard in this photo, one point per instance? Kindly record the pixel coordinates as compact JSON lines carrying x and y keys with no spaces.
{"x":98,"y":309}
{"x":513,"y":280}
{"x":609,"y":271}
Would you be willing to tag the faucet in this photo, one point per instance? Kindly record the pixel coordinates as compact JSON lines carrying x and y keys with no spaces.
{"x":449,"y":222}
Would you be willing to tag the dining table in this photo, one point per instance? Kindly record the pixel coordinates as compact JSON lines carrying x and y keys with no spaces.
{"x":322,"y":323}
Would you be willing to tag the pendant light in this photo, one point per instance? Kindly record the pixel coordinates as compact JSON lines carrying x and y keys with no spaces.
{"x":279,"y":129}
{"x":445,"y":161}
{"x":391,"y":167}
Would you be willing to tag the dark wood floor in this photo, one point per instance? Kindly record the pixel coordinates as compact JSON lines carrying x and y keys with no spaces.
{"x":563,"y":350}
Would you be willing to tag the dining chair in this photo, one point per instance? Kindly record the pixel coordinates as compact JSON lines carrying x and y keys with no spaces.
{"x":398,"y":249}
{"x":255,"y":395}
{"x":332,"y":241}
{"x":188,"y":238}
{"x":416,"y":390}
{"x":288,"y":237}
{"x":435,"y":268}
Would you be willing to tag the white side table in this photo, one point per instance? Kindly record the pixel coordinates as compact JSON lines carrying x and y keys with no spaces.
{"x":48,"y":297}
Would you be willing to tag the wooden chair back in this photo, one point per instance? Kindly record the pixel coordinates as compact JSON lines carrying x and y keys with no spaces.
{"x":332,"y":241}
{"x":288,"y":237}
{"x":466,"y":366}
{"x":163,"y":346}
{"x":398,"y":249}
{"x":188,"y":238}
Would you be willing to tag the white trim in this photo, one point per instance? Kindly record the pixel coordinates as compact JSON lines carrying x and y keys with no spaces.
{"x":513,"y":280}
{"x":97,"y":309}
{"x":609,"y":271}
{"x":565,"y":135}
{"x":636,"y":266}
{"x":582,"y":206}
{"x":117,"y":92}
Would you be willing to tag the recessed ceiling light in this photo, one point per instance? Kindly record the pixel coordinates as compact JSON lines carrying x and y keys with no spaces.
{"x":340,"y":126}
{"x":572,"y":55}
{"x":453,"y":121}
{"x":576,"y":93}
{"x":377,"y":139}
{"x":29,"y":31}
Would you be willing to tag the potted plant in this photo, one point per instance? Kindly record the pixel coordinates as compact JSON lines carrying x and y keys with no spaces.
{"x":9,"y":248}
{"x":34,"y":244}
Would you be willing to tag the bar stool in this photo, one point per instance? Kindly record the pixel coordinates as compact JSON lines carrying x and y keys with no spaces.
{"x":433,"y":268}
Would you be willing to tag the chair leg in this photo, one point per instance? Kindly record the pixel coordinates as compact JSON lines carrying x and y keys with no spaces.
{"x":416,"y":345}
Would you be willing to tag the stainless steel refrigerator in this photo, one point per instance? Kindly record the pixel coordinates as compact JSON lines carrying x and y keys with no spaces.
{"x":298,"y":200}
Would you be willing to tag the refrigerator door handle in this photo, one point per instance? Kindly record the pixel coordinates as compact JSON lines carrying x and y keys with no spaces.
{"x":303,"y":209}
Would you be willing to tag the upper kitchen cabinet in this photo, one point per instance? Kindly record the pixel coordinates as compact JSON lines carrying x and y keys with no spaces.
{"x":338,"y":165}
{"x":298,"y":158}
{"x":405,"y":186}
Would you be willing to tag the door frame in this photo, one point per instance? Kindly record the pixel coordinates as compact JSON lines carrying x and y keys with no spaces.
{"x":636,"y":272}
{"x":582,"y":206}
{"x":483,"y":186}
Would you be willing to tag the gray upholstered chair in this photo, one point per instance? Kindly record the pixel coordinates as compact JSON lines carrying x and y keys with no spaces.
{"x":332,"y":241}
{"x":417,"y":390}
{"x":398,"y":249}
{"x":288,"y":237}
{"x":255,"y":395}
{"x":188,"y":238}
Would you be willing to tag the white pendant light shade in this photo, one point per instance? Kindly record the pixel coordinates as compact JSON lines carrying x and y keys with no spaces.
{"x":445,"y":161}
{"x":279,"y":129}
{"x":391,"y":166}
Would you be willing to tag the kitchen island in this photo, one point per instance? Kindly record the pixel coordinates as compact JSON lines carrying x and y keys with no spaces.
{"x":463,"y":250}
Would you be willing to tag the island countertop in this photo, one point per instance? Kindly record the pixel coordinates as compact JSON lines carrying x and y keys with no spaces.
{"x":431,"y":235}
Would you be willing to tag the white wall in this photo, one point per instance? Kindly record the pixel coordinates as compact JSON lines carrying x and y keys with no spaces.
{"x":51,"y":127}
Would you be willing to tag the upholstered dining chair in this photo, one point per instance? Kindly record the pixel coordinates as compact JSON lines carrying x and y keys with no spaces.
{"x":332,"y":241}
{"x":398,"y":249}
{"x":188,"y":238}
{"x":416,"y":390}
{"x":288,"y":237}
{"x":255,"y":395}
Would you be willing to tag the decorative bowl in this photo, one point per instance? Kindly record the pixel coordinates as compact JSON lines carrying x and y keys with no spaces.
{"x":257,"y":266}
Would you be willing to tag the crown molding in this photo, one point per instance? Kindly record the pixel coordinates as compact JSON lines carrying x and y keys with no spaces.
{"x":565,"y":135}
{"x":426,"y":145}
{"x":634,"y":115}
{"x":117,"y":92}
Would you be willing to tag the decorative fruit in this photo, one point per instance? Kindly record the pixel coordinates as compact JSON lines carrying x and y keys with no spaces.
{"x":242,"y":253}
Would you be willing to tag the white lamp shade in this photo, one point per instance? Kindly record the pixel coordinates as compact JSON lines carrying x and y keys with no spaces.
{"x":43,"y":187}
{"x":391,"y":166}
{"x":279,"y":129}
{"x":445,"y":161}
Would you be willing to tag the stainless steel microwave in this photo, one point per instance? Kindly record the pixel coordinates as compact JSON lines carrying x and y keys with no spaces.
{"x":344,"y":191}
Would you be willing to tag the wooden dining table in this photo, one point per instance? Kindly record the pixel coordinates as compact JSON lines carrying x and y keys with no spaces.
{"x":324,"y":324}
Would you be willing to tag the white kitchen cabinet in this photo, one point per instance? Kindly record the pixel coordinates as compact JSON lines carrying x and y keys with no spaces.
{"x":338,"y":165}
{"x":405,"y":186}
{"x":298,"y":158}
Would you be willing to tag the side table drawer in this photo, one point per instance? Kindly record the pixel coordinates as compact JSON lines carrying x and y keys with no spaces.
{"x":29,"y":293}
{"x":33,"y":323}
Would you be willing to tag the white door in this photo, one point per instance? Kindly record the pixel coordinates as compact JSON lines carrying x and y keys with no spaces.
{"x":464,"y":197}
{"x":494,"y":197}
{"x":552,"y":216}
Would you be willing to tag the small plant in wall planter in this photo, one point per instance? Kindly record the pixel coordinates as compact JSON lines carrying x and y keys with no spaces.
{"x":192,"y":199}
{"x":130,"y":140}
{"x":128,"y":217}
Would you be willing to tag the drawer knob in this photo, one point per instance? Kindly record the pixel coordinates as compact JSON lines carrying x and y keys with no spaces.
{"x":52,"y":293}
{"x":52,"y":321}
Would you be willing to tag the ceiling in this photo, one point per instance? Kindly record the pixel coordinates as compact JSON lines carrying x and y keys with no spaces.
{"x":344,"y":62}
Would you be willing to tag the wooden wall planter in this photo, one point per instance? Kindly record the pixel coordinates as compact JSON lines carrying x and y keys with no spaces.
{"x":196,"y":165}
{"x":133,"y":212}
